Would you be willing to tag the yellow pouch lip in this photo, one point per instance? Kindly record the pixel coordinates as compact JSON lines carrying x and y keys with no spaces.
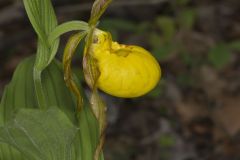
{"x":106,"y":51}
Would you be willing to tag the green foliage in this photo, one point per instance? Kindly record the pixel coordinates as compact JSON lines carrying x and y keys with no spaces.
{"x":167,"y":26}
{"x":162,"y":52}
{"x":219,"y":56}
{"x":235,"y":45}
{"x":185,"y":80}
{"x":43,"y":19}
{"x":98,"y":9}
{"x":186,"y":58}
{"x":66,"y":27}
{"x":20,"y":94}
{"x":157,"y":91}
{"x":187,"y":18}
{"x":155,"y":39}
{"x":41,"y":135}
{"x":162,"y":45}
{"x":167,"y":140}
{"x":143,"y":27}
{"x":91,"y":74}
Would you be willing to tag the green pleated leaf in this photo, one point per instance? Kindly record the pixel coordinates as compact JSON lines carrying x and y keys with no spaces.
{"x":41,"y":135}
{"x":44,"y":21}
{"x":20,"y":94}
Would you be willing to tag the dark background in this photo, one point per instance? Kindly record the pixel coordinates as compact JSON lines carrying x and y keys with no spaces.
{"x":194,"y":112}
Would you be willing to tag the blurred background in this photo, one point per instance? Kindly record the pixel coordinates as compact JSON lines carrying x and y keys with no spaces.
{"x":194,"y":112}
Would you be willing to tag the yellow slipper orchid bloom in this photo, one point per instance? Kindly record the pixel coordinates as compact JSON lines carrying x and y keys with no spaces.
{"x":125,"y":70}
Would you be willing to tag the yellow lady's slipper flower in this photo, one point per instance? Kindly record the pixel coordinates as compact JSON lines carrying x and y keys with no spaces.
{"x":125,"y":70}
